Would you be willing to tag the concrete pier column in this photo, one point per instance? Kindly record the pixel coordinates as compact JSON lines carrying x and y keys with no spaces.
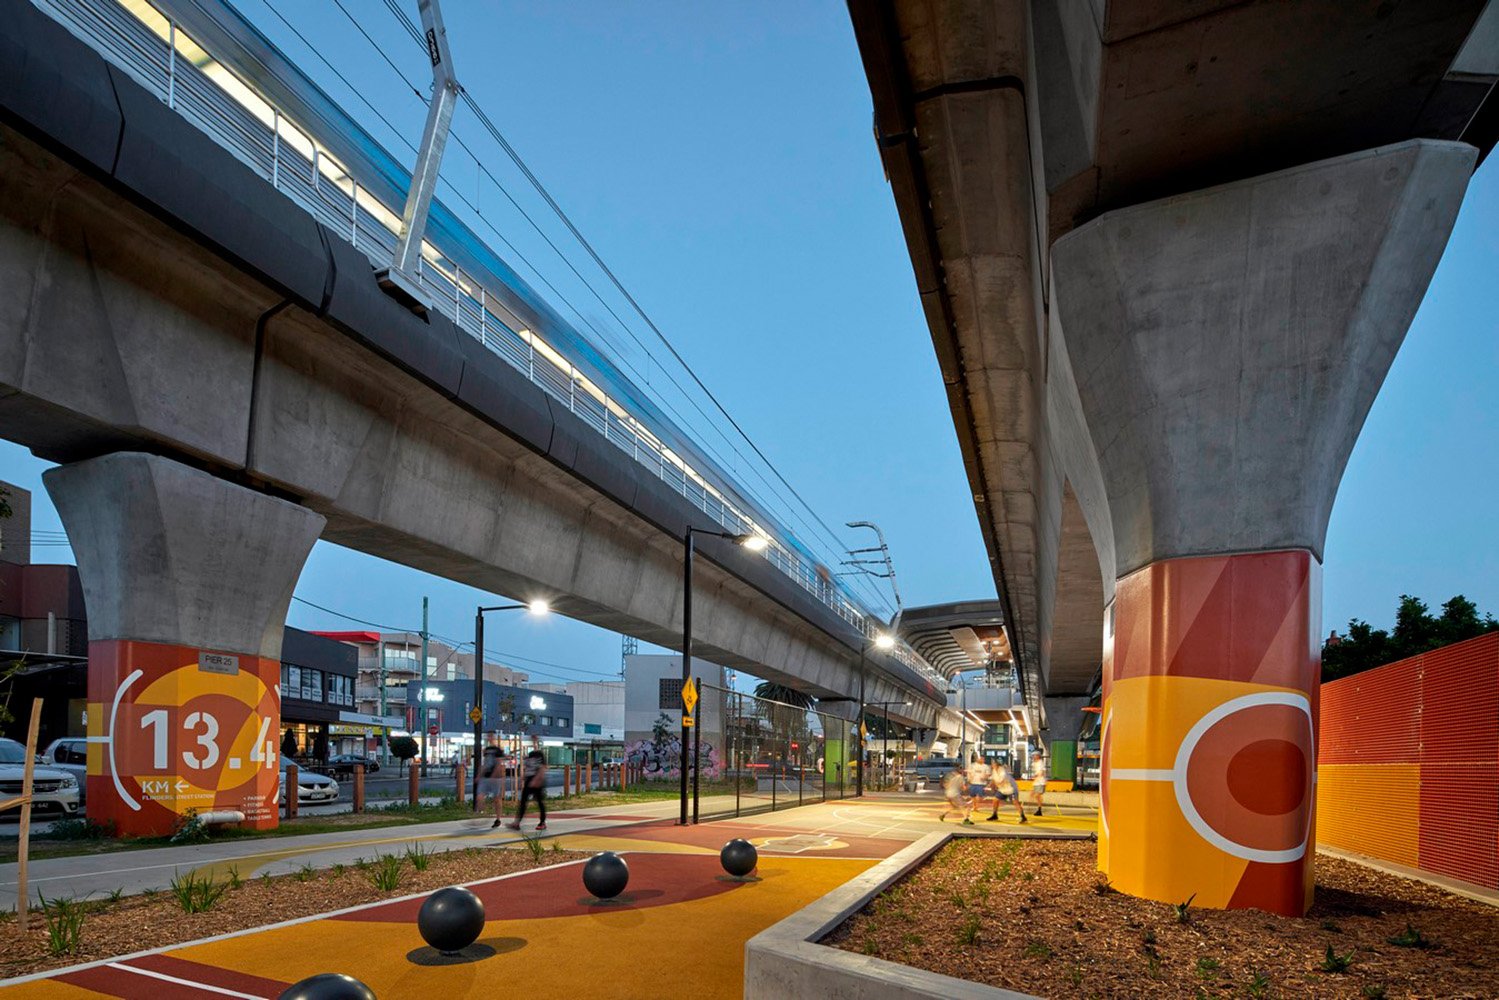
{"x":1217,"y":353}
{"x":186,"y":579}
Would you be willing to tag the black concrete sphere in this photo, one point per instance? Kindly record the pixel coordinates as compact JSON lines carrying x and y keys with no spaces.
{"x":739,"y":857}
{"x":329,"y":986}
{"x":451,"y":919}
{"x":606,"y":875}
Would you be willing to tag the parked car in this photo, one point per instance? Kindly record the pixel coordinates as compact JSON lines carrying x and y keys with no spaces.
{"x":932,"y":769}
{"x":312,"y":789}
{"x":343,"y":763}
{"x":70,"y":755}
{"x":50,"y":788}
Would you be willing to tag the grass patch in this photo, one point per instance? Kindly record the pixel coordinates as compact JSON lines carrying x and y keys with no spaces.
{"x":385,"y":874}
{"x":419,"y":856}
{"x":64,"y":919}
{"x":197,"y":895}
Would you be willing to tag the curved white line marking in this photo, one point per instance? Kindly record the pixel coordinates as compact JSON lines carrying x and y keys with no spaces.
{"x":1184,"y":756}
{"x":114,"y":771}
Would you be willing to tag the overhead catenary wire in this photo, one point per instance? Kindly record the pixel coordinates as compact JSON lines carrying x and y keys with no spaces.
{"x":827,"y":531}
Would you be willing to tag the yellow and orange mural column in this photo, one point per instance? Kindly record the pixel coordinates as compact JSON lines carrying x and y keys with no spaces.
{"x":1209,"y":731}
{"x":178,"y":730}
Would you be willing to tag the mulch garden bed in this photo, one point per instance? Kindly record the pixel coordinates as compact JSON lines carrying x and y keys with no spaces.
{"x":138,"y":923}
{"x":1038,"y":918}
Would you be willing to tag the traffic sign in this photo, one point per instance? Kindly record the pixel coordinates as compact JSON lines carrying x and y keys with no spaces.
{"x":475,"y":715}
{"x":689,"y":695}
{"x":433,"y":730}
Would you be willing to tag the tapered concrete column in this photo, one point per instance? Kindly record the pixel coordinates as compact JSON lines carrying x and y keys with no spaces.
{"x":186,"y":579}
{"x":1219,"y":352}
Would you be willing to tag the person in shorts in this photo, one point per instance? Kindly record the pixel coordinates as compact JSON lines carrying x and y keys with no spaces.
{"x":978,"y":785}
{"x":1038,"y":780}
{"x":491,"y":770}
{"x":952,"y":790}
{"x":1002,"y":784}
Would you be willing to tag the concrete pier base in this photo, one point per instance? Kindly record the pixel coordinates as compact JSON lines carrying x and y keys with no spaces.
{"x":187,"y":579}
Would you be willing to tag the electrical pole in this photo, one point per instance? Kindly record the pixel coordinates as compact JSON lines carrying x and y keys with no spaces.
{"x":421,"y":696}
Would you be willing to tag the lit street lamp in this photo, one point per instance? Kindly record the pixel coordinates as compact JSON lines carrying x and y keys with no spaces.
{"x":535,"y":607}
{"x":750,"y":541}
{"x":882,"y":640}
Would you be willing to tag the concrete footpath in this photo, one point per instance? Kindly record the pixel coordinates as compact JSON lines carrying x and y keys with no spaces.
{"x":93,"y":876}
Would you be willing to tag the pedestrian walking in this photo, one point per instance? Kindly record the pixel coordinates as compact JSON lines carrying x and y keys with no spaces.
{"x":1038,"y":780}
{"x":952,"y":790}
{"x":1002,"y":783}
{"x":978,"y":784}
{"x":533,"y":785}
{"x":490,"y":772}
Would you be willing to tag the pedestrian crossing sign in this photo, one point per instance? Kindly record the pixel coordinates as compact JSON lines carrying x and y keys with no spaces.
{"x":689,"y":695}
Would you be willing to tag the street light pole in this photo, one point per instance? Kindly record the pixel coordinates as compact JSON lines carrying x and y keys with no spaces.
{"x":753,"y":542}
{"x":884,"y":641}
{"x":536,"y":607}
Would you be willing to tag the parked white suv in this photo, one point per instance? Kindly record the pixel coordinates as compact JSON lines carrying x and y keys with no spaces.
{"x":50,"y":788}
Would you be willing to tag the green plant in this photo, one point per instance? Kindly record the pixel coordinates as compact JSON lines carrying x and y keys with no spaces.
{"x":1103,"y":886}
{"x":1259,"y":985}
{"x":234,"y":879}
{"x":1331,"y":927}
{"x":969,"y":932}
{"x":535,"y":846}
{"x":78,"y":828}
{"x":1075,"y":976}
{"x":362,"y":864}
{"x":265,"y":878}
{"x":1184,"y":910}
{"x":419,"y":856}
{"x":1011,"y":847}
{"x":958,"y":900}
{"x":1409,"y":938}
{"x":1029,"y":876}
{"x":1373,"y":991}
{"x":1148,"y":937}
{"x":1207,"y":968}
{"x":870,"y":948}
{"x":1153,"y":967}
{"x":914,"y":939}
{"x":1333,"y":962}
{"x":1037,"y":949}
{"x":196,"y":895}
{"x":556,"y":847}
{"x":115,"y":895}
{"x":189,"y":830}
{"x":338,"y":870}
{"x":1004,"y":871}
{"x":305,"y":874}
{"x":386,"y":874}
{"x":64,"y":919}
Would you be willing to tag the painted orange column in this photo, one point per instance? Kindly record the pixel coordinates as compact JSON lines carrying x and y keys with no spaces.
{"x":178,"y":729}
{"x":1209,"y":733}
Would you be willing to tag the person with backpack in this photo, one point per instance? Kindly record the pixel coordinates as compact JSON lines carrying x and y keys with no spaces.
{"x":533,"y":785}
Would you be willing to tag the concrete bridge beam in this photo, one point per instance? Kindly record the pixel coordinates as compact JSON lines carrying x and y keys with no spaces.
{"x":187,"y":578}
{"x":1221,"y":350}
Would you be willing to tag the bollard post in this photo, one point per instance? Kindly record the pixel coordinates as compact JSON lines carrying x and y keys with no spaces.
{"x":359,"y":788}
{"x":624,"y":777}
{"x":460,"y":774}
{"x":567,"y":784}
{"x":291,"y":791}
{"x":413,"y":785}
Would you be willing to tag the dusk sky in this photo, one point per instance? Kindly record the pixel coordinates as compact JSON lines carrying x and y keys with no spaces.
{"x":722,"y":162}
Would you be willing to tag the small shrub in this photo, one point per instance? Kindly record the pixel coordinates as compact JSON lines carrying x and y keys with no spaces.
{"x":305,"y":874}
{"x":362,"y":864}
{"x":149,"y":893}
{"x":1004,"y":871}
{"x":958,"y":901}
{"x":1153,"y":968}
{"x":1029,"y":876}
{"x":64,"y":919}
{"x":1333,"y":962}
{"x":189,"y":830}
{"x":556,"y":847}
{"x":1409,"y":938}
{"x":1331,"y":927}
{"x":1037,"y":949}
{"x":1075,"y":976}
{"x":914,"y":939}
{"x":1183,"y":910}
{"x":419,"y":856}
{"x":1012,"y":846}
{"x":1259,"y":985}
{"x":1148,"y":937}
{"x":1207,"y":968}
{"x":870,"y":948}
{"x":234,"y":879}
{"x":386,"y":873}
{"x":535,"y":846}
{"x":969,"y":932}
{"x":115,"y":895}
{"x":78,"y":828}
{"x":338,"y":870}
{"x":265,"y":878}
{"x":1373,"y":991}
{"x":196,"y":895}
{"x":1103,"y":886}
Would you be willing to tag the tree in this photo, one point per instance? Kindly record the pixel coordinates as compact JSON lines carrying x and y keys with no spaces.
{"x":771,"y":691}
{"x":404,"y":748}
{"x":1416,"y":631}
{"x":289,"y":743}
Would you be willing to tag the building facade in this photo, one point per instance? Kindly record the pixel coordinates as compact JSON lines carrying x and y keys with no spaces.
{"x":511,"y":715}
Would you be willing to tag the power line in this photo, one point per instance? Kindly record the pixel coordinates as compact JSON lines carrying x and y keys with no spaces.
{"x":361,"y":621}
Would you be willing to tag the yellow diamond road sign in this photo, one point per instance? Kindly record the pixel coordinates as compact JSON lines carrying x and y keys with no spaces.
{"x":475,"y":716}
{"x":689,"y":695}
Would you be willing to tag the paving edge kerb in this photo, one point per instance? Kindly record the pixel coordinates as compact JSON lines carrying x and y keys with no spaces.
{"x":786,"y":961}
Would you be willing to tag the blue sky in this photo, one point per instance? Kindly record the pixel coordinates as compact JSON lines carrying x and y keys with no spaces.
{"x":722,"y":162}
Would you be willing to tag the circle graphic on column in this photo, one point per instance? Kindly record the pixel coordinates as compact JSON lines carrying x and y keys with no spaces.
{"x":1244,"y":776}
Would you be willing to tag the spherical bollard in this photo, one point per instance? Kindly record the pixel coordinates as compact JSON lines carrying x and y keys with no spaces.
{"x":606,"y":875}
{"x":329,"y":986}
{"x":739,"y":857}
{"x":451,"y":919}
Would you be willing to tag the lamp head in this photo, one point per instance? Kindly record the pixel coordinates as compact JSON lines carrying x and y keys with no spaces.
{"x":753,"y":542}
{"x":538,"y":607}
{"x":884,"y":641}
